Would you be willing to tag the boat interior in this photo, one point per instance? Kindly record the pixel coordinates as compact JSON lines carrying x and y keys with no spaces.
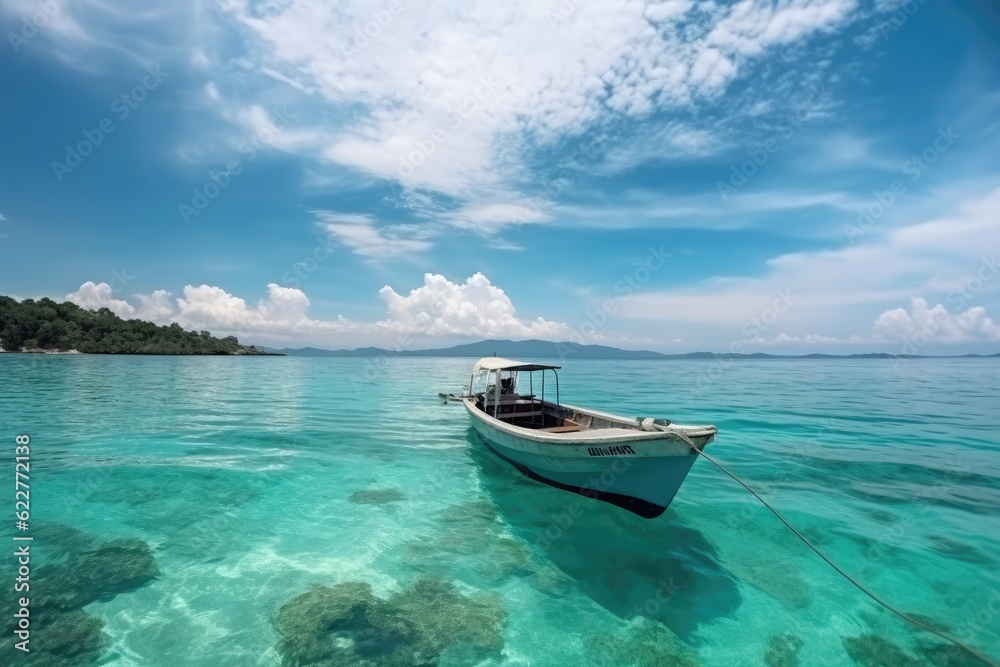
{"x":528,"y":410}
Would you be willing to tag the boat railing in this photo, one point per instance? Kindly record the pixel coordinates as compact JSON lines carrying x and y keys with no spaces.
{"x":514,"y":406}
{"x":509,"y":398}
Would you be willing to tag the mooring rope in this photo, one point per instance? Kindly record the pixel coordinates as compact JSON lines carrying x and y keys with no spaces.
{"x":943,"y":635}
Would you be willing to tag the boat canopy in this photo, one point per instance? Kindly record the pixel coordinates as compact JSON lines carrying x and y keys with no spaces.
{"x":501,"y":364}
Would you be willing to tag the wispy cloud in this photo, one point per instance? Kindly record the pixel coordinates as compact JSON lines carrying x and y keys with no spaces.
{"x":674,"y":141}
{"x":360,"y":233}
{"x":490,"y":218}
{"x":841,"y":291}
{"x":460,"y":101}
{"x":103,"y":32}
{"x":650,"y":208}
{"x":278,"y":76}
{"x":453,"y":111}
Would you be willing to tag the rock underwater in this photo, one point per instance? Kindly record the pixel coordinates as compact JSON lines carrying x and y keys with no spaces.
{"x":429,"y":623}
{"x":85,"y":571}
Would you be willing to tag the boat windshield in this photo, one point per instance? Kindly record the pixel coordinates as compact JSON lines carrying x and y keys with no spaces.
{"x":485,"y":382}
{"x":495,"y":386}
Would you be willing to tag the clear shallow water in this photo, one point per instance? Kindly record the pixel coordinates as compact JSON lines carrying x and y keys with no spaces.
{"x":243,"y":477}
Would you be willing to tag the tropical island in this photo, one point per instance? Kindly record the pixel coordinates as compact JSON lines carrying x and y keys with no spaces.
{"x":50,"y":327}
{"x":544,"y":349}
{"x":59,"y":328}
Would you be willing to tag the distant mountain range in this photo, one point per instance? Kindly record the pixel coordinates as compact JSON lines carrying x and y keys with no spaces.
{"x":543,"y":349}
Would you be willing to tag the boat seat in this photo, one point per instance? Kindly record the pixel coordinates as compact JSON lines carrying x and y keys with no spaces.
{"x":562,"y":429}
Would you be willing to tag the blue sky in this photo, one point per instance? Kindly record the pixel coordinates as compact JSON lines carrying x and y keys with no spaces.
{"x":801,"y":176}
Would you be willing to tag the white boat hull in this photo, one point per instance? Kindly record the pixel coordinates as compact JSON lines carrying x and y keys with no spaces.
{"x":640,"y":471}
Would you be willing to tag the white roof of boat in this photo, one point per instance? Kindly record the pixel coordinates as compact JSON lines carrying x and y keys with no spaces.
{"x":501,"y":364}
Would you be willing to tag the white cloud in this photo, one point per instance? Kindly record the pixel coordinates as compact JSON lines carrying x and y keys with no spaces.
{"x":849,"y":150}
{"x":454,"y":99}
{"x":667,"y":10}
{"x":285,"y":304}
{"x":839,"y":292}
{"x":120,"y":31}
{"x":439,"y":308}
{"x":156,"y":307}
{"x":359,"y":233}
{"x":96,"y":296}
{"x":672,"y":141}
{"x":207,"y":305}
{"x":646,"y":208}
{"x":212,"y":307}
{"x":936,"y":324}
{"x":489,"y":218}
{"x":284,"y":79}
{"x":754,"y":25}
{"x":477,"y":308}
{"x":443,"y":95}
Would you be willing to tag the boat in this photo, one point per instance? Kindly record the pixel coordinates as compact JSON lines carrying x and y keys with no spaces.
{"x":637,"y":464}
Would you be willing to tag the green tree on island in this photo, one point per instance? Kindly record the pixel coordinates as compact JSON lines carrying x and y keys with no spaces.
{"x":47,"y":325}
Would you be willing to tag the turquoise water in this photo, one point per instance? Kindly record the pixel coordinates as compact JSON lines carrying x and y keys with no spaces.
{"x":228,"y":488}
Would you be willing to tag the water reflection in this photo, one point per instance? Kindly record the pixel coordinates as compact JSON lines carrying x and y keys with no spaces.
{"x":660,"y":569}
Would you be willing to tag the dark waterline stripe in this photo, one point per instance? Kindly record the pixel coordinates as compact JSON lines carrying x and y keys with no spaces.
{"x":643,"y":508}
